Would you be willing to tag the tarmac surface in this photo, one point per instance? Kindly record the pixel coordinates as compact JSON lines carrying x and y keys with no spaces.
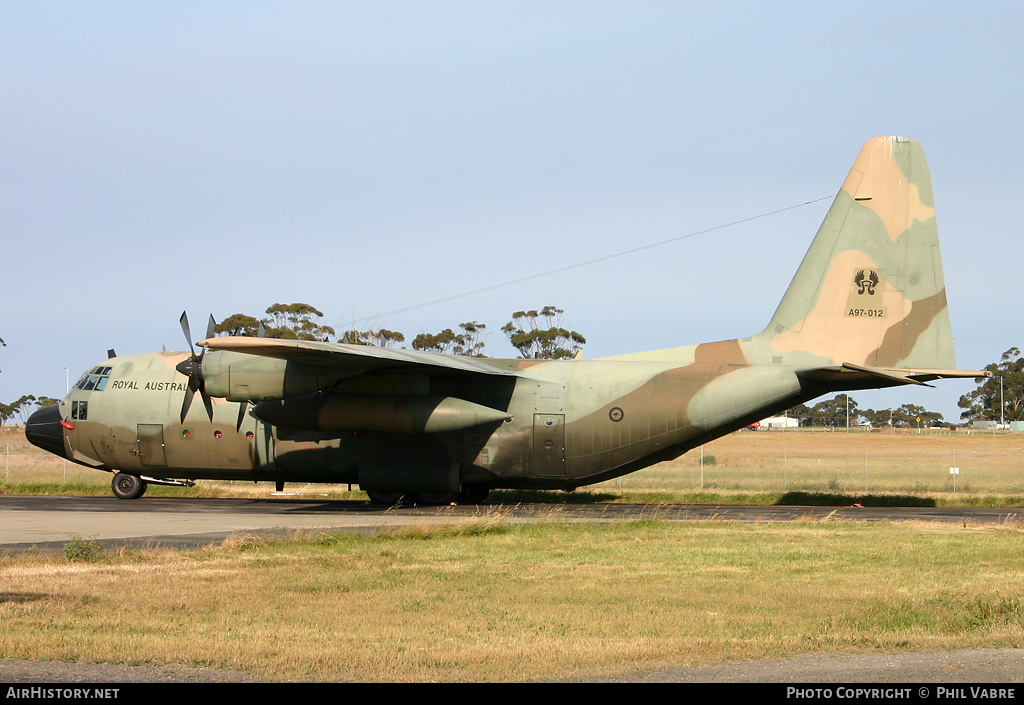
{"x":40,"y":523}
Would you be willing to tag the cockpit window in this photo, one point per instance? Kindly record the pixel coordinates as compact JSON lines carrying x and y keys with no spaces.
{"x":95,"y":380}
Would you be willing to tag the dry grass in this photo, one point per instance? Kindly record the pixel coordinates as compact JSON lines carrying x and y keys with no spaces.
{"x":491,"y":600}
{"x":854,"y":461}
{"x":745,"y":462}
{"x":494,"y":601}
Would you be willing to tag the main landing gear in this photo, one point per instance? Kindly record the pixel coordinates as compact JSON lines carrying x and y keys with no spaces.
{"x":127,"y":486}
{"x":471,"y":494}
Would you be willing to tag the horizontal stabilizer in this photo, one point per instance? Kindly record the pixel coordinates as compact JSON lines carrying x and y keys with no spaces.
{"x":898,"y":376}
{"x":843,"y":375}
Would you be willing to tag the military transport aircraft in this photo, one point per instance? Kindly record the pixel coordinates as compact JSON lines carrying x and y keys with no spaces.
{"x":866,"y":309}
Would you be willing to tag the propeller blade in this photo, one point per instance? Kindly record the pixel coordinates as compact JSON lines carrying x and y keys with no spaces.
{"x":207,"y":401}
{"x":211,"y":327}
{"x":185,"y":329}
{"x":242,"y":408}
{"x":186,"y":403}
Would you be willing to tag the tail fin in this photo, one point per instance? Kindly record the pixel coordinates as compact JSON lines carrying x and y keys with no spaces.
{"x":869,"y":293}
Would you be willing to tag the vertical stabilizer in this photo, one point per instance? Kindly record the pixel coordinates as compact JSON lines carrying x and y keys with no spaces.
{"x":870,"y":290}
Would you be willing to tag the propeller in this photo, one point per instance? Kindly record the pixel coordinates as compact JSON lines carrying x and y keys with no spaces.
{"x":192,"y":367}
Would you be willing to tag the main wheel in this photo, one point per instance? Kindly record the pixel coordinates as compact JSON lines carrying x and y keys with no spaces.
{"x":127,"y":486}
{"x":388,"y":499}
{"x":473,"y":494}
{"x":436,"y":499}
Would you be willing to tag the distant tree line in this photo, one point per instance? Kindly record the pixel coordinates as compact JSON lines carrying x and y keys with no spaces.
{"x":21,"y":409}
{"x":837,"y":412}
{"x":535,"y":334}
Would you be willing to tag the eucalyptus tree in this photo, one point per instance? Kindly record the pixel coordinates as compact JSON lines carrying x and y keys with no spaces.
{"x":1001,"y":396}
{"x":296,"y":321}
{"x":539,"y":335}
{"x":468,"y":343}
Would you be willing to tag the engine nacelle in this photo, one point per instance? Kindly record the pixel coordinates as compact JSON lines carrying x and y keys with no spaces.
{"x":388,"y":413}
{"x":240,"y":377}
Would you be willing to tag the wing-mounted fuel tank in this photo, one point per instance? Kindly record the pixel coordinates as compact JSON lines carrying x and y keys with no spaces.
{"x":387,"y":413}
{"x":241,"y":377}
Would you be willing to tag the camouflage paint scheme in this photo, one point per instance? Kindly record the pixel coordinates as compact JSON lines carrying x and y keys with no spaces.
{"x":866,"y":309}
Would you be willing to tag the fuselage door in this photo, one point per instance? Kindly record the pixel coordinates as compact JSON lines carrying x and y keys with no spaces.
{"x":549,"y":445}
{"x":151,"y":444}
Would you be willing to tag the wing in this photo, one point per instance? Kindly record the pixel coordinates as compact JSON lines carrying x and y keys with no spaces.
{"x":358,"y":359}
{"x":289,"y":379}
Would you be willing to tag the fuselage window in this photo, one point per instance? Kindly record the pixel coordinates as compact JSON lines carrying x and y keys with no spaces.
{"x":80,"y":410}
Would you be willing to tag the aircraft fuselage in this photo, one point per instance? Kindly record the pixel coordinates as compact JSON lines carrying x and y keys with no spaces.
{"x":568,"y":423}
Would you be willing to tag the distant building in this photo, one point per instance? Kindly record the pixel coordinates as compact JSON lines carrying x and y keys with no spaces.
{"x":979,"y":425}
{"x":779,"y":422}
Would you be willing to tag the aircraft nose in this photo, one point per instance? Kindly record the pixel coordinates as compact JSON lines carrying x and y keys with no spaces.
{"x":43,"y":429}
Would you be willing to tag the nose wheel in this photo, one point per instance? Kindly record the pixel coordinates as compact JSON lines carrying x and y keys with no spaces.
{"x":127,"y":486}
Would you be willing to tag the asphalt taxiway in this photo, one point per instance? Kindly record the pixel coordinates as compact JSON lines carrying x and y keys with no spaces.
{"x":48,"y":522}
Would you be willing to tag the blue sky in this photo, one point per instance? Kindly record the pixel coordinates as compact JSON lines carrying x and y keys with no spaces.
{"x":369,"y":157}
